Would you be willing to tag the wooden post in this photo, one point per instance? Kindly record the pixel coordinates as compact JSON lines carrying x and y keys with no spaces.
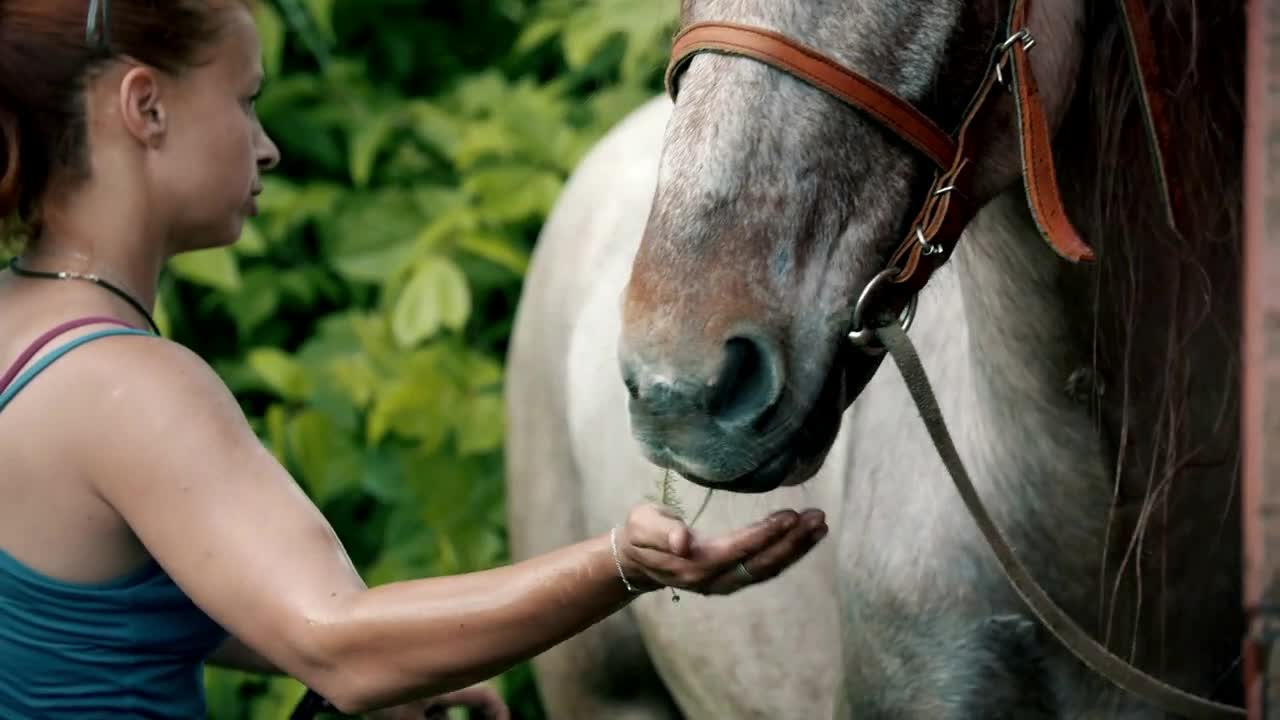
{"x":1261,"y":390}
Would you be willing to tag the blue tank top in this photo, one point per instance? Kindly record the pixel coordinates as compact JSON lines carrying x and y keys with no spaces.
{"x":130,"y":648}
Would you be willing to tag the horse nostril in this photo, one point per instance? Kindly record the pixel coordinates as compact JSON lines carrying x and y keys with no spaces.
{"x":748,"y":384}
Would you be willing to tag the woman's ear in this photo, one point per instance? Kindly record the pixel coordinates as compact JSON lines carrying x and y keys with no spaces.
{"x":141,"y":108}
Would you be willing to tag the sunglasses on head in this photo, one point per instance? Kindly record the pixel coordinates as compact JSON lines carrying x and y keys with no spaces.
{"x":95,"y":25}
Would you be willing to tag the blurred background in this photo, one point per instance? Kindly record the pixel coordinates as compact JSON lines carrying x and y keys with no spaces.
{"x":363,"y":318}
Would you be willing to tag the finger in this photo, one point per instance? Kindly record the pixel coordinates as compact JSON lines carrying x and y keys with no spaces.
{"x":655,"y":527}
{"x":717,"y":557}
{"x":721,"y":554}
{"x":772,"y":561}
{"x":679,"y":536}
{"x":664,"y":567}
{"x":691,"y":574}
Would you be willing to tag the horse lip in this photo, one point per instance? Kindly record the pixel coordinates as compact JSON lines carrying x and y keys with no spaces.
{"x":763,"y":479}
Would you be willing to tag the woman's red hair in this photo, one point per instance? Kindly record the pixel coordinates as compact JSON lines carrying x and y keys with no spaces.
{"x":46,"y":59}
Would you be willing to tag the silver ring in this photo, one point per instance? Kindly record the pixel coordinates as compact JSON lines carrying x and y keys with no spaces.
{"x":744,"y":573}
{"x":865,"y":337}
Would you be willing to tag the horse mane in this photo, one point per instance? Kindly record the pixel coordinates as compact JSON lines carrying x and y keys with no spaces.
{"x":1201,"y":54}
{"x":1167,"y":411}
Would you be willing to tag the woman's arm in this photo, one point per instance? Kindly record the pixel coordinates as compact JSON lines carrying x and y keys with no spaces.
{"x":212,"y":505}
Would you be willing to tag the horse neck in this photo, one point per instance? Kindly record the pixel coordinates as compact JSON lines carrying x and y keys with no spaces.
{"x":1111,"y":388}
{"x":1023,"y":347}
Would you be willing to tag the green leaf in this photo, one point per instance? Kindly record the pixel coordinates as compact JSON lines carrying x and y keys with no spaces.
{"x":583,"y":38}
{"x":436,"y":296}
{"x":368,"y":139}
{"x":329,"y":465}
{"x":251,"y":242}
{"x":482,"y":93}
{"x":371,"y":236}
{"x":277,"y":428}
{"x":536,"y":33}
{"x":161,"y":316}
{"x":486,"y":140}
{"x":413,"y":410}
{"x":321,"y":12}
{"x":436,"y":127}
{"x":271,"y":34}
{"x":434,"y":200}
{"x":482,"y":372}
{"x":216,"y":268}
{"x":594,"y":25}
{"x":285,"y":207}
{"x":280,"y":371}
{"x":481,"y":425}
{"x":384,"y":475}
{"x":446,"y":227}
{"x":256,"y":302}
{"x":514,"y":193}
{"x":497,"y":248}
{"x":356,"y":377}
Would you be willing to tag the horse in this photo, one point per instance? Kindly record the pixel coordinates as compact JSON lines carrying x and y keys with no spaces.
{"x":688,"y":309}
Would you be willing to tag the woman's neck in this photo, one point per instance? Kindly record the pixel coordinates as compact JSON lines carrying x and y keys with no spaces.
{"x":105,"y":232}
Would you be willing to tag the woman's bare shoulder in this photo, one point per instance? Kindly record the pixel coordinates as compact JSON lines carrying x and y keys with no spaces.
{"x":133,"y":384}
{"x":171,"y":451}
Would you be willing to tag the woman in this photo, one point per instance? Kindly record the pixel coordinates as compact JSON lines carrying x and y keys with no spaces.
{"x":144,"y":528}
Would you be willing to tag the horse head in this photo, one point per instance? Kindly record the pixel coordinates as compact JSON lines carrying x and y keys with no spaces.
{"x":777,"y":205}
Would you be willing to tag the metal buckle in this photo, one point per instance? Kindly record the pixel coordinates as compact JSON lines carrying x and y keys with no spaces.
{"x":864,"y":337}
{"x":1028,"y":42}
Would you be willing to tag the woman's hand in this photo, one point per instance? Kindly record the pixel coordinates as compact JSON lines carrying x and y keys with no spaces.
{"x":657,"y":549}
{"x":482,"y":698}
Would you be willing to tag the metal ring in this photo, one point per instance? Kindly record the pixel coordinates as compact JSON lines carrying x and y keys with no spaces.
{"x":744,"y":573}
{"x":929,"y":248}
{"x":1024,"y":35}
{"x":865,"y":337}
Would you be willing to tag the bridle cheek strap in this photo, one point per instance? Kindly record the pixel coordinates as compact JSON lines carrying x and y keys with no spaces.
{"x":1039,"y":174}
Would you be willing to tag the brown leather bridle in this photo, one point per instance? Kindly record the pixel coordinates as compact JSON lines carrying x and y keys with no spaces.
{"x":947,"y":209}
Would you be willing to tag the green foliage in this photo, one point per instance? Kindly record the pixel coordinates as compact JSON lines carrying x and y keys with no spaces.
{"x":363,"y":318}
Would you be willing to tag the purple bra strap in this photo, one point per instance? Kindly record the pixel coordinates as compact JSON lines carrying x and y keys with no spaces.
{"x":44,"y":339}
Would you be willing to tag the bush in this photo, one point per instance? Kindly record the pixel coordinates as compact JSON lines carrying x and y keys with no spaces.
{"x":363,"y":318}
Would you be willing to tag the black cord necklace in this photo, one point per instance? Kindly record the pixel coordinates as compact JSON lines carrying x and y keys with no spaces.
{"x":64,"y":275}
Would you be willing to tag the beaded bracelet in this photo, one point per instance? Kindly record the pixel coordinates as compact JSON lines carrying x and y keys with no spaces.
{"x":613,"y":541}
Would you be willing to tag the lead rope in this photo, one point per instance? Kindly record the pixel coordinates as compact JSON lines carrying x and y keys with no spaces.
{"x":1084,"y":647}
